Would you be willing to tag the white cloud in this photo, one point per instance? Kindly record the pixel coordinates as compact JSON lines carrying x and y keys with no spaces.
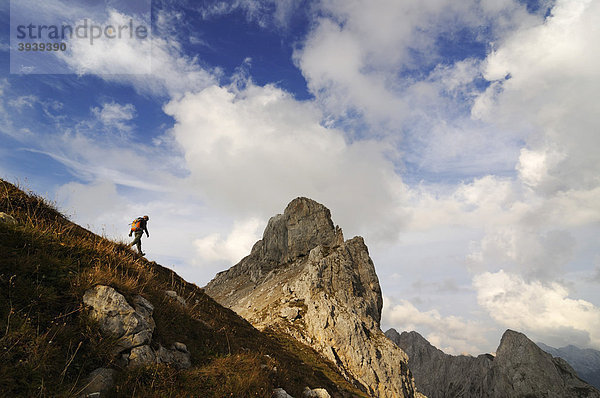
{"x":96,"y":203}
{"x":365,"y":64}
{"x":452,"y":334}
{"x":554,"y":71}
{"x":533,"y":253}
{"x":234,"y":247}
{"x":154,"y":65}
{"x":24,"y":101}
{"x":266,"y":13}
{"x":253,"y":151}
{"x":543,"y":311}
{"x":357,"y":55}
{"x":534,"y":167}
{"x":114,"y":115}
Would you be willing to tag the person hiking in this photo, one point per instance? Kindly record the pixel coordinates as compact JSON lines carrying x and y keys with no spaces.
{"x":138,"y":227}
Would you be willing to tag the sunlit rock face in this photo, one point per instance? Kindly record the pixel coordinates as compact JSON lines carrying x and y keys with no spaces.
{"x":304,"y":279}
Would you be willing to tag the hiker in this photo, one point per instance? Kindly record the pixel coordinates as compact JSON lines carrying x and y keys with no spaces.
{"x":138,"y":226}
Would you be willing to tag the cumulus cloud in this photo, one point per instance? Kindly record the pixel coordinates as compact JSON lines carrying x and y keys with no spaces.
{"x":358,"y":54}
{"x":452,"y":334}
{"x":544,"y":311}
{"x":543,"y":87}
{"x":253,"y":151}
{"x":378,"y":77}
{"x":232,"y":248}
{"x":95,"y":203}
{"x":532,"y":253}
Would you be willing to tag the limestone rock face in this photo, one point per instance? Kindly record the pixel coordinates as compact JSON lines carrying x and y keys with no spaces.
{"x":303,"y":279}
{"x":119,"y":319}
{"x":133,"y":326}
{"x":519,"y":369}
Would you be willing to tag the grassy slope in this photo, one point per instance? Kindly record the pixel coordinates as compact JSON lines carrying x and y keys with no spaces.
{"x":48,"y":344}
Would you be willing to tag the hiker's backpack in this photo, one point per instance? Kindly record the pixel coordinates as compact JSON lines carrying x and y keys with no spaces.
{"x":136,"y":225}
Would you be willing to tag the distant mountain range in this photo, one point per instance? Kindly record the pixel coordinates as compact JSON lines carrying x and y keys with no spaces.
{"x":519,"y":369}
{"x":586,"y":362}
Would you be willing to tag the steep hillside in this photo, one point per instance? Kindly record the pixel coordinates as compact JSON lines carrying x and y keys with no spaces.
{"x":519,"y":369}
{"x":51,"y":341}
{"x":586,"y":362}
{"x":303,"y":279}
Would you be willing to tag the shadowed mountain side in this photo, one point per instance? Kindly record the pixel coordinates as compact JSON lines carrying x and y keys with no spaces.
{"x":586,"y":361}
{"x":519,"y":369}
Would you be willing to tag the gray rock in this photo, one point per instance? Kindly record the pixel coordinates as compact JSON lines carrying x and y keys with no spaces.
{"x":519,"y":369}
{"x":144,"y":308}
{"x":173,"y":294}
{"x":100,"y":383}
{"x":302,"y":269}
{"x":290,"y":313}
{"x":180,"y":347}
{"x":141,"y":356}
{"x":179,"y":359}
{"x":315,"y":393}
{"x":7,"y":219}
{"x":119,"y":319}
{"x":281,"y":393}
{"x":133,"y":327}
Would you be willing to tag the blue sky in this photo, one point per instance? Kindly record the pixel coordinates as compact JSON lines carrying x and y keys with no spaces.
{"x":459,"y":139}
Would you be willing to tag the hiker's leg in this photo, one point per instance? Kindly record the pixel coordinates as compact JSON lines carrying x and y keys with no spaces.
{"x":138,"y":238}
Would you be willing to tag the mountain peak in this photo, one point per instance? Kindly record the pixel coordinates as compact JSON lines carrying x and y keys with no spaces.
{"x":304,"y":280}
{"x":303,"y":225}
{"x":517,"y":348}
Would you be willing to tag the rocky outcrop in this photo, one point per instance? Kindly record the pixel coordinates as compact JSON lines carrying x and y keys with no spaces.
{"x":585,"y":361}
{"x":304,"y":279}
{"x":133,"y":328}
{"x":519,"y":369}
